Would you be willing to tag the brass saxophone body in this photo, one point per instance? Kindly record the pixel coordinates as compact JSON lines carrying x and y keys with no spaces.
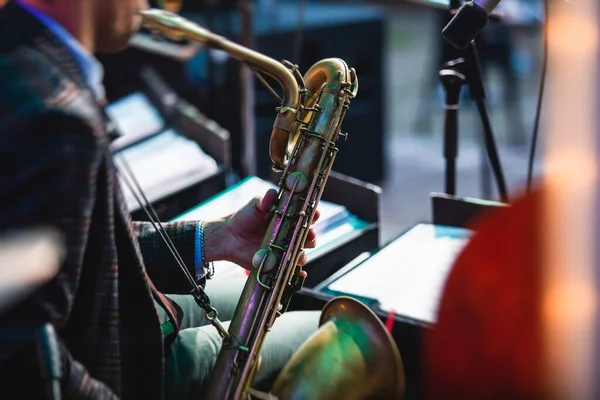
{"x":330,"y":85}
{"x":303,"y":150}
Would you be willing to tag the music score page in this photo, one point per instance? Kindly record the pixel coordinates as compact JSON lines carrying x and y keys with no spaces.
{"x":408,"y":275}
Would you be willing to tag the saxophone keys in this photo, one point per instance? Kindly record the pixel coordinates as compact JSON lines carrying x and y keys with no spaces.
{"x":298,"y":281}
{"x":296,"y":182}
{"x":264,"y":261}
{"x":353,"y":83}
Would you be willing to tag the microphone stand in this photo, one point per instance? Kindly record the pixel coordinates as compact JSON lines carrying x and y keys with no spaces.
{"x":453,"y":75}
{"x":452,"y":81}
{"x":248,"y":130}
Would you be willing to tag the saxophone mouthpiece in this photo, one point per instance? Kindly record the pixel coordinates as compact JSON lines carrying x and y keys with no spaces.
{"x":163,"y":24}
{"x":173,"y":26}
{"x":160,"y":17}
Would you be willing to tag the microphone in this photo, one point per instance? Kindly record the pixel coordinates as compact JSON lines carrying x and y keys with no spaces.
{"x":468,"y":21}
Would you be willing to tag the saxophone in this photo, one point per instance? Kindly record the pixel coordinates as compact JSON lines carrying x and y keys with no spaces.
{"x":302,"y":149}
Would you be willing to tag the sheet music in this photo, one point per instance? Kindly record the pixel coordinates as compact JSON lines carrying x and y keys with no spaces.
{"x":165,"y":163}
{"x":409,"y":274}
{"x":230,"y":200}
{"x":236,"y":197}
{"x":333,"y":233}
{"x":136,"y":118}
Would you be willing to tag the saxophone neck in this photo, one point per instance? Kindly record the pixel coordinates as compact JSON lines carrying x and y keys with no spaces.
{"x":175,"y":27}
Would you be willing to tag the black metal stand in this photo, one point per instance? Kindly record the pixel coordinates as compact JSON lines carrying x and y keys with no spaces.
{"x":452,"y":81}
{"x":485,"y":171}
{"x":476,"y":89}
{"x":467,"y":69}
{"x":453,"y":75}
{"x":246,"y":8}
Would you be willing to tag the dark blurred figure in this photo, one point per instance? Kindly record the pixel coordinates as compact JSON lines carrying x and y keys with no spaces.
{"x":119,"y":334}
{"x":487,"y":342}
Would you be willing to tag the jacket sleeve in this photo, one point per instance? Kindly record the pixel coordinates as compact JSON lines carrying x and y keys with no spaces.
{"x":48,"y":169}
{"x":160,"y":263}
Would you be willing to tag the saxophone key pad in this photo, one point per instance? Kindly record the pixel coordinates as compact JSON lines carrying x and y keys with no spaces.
{"x":296,"y":182}
{"x":264,"y":260}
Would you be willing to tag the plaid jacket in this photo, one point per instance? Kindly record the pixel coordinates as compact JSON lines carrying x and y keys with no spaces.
{"x":56,"y":169}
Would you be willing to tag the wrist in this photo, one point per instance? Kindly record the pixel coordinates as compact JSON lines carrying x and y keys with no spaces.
{"x":215,"y":240}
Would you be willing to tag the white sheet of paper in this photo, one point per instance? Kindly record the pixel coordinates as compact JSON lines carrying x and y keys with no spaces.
{"x":164,"y":163}
{"x":136,"y":118}
{"x":230,"y":201}
{"x":408,"y":275}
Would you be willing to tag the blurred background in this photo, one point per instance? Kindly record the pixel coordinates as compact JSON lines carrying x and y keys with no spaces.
{"x":382,"y":237}
{"x":414,"y":49}
{"x":195,"y":126}
{"x":396,"y":123}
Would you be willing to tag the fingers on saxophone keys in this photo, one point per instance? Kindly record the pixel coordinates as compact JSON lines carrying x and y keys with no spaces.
{"x":316,"y":216}
{"x":268,"y":200}
{"x":302,"y":259}
{"x":311,"y":239}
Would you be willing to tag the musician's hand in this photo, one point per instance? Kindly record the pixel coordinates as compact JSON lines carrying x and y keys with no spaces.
{"x":242,"y":232}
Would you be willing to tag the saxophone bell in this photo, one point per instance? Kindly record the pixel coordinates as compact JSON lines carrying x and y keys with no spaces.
{"x":350,"y":357}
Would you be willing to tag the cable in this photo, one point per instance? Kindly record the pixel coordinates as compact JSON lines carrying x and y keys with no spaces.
{"x":196,"y":290}
{"x":538,"y":112}
{"x":153,"y":218}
